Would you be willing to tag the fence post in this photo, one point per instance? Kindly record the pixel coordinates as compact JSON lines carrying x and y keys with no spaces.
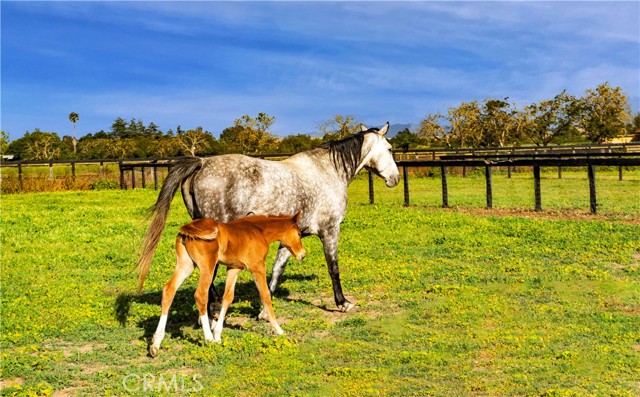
{"x":20,"y":175}
{"x":536,"y":187}
{"x":445,"y":187}
{"x":51,"y":170}
{"x":487,"y":176}
{"x":73,"y":170}
{"x":405,"y":179}
{"x":155,"y":178}
{"x":123,"y":186}
{"x":101,"y":170}
{"x":144,"y":180}
{"x":371,"y":197}
{"x":133,"y":177}
{"x":620,"y":170}
{"x":592,"y":189}
{"x":559,"y":172}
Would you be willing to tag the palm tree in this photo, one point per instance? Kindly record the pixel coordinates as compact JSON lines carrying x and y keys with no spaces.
{"x":74,"y":117}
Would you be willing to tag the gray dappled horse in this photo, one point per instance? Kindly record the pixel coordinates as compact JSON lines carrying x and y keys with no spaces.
{"x":315,"y":182}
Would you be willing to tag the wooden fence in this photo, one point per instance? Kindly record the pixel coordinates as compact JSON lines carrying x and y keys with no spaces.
{"x":588,"y":156}
{"x":404,"y":153}
{"x":489,"y":161}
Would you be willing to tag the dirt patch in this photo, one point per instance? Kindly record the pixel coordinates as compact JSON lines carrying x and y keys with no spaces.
{"x":11,"y":382}
{"x":68,"y":391}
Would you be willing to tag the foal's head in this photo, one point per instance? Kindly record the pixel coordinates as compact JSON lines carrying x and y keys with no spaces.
{"x":291,"y":238}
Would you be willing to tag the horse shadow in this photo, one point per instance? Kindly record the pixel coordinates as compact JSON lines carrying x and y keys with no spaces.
{"x":184,"y":312}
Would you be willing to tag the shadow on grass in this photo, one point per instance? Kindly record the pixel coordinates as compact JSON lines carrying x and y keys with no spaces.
{"x":183,"y":309}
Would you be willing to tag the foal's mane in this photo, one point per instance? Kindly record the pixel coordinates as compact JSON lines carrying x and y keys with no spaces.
{"x":345,"y":153}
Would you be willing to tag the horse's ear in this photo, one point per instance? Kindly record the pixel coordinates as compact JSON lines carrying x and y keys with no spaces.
{"x":363,"y":128}
{"x":297,"y":216}
{"x":384,"y":129}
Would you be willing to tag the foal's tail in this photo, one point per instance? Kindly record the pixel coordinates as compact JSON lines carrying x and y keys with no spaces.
{"x":160,"y":210}
{"x":200,"y":229}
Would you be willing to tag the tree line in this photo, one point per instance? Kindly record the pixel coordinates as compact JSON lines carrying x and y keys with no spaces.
{"x":598,"y":116}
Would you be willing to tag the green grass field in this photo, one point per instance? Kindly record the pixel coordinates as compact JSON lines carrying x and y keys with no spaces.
{"x":460,"y":301}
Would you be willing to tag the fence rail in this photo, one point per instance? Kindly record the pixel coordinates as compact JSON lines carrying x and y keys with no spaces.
{"x":403,"y":153}
{"x":588,"y":156}
{"x":590,"y":161}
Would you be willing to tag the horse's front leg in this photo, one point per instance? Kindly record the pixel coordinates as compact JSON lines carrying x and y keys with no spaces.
{"x":330,"y":245}
{"x":261,"y":282}
{"x":229,"y":287}
{"x":278,"y":268}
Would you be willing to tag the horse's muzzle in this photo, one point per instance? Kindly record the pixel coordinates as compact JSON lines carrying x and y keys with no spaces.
{"x":301,"y":255}
{"x":393,"y":180}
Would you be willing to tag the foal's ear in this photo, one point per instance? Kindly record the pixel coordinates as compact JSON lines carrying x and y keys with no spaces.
{"x":297,"y":216}
{"x":363,"y":128}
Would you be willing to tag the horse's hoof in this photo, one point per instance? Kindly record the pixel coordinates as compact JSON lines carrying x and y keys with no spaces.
{"x":346,"y":307}
{"x":153,"y":351}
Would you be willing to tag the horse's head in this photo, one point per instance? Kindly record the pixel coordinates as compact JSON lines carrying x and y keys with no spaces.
{"x":377,"y":155}
{"x":292,"y":238}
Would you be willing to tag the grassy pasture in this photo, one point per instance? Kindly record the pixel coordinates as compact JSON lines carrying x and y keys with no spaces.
{"x":450,"y":301}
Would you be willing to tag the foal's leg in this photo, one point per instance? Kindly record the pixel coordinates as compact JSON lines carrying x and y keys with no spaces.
{"x":278,"y":268}
{"x":265,"y":296}
{"x":184,"y":267}
{"x":213,"y":306}
{"x":229,"y":287}
{"x":201,"y":294}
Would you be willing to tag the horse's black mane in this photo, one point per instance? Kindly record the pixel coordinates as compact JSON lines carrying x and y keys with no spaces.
{"x":345,"y":153}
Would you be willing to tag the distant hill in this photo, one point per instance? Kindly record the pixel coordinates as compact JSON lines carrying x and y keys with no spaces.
{"x":395,"y":128}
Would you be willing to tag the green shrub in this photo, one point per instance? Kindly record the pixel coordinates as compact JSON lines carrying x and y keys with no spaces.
{"x":105,"y":184}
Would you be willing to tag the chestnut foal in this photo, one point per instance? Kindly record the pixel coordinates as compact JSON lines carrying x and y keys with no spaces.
{"x":239,"y":244}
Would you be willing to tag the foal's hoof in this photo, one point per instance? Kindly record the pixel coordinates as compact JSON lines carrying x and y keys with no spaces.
{"x":346,"y":307}
{"x":153,"y":351}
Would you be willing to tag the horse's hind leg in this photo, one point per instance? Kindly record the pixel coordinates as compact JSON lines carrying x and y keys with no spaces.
{"x":213,"y":305}
{"x":261,"y":282}
{"x":184,"y":267}
{"x":229,"y":287}
{"x":330,"y":245}
{"x":201,"y":294}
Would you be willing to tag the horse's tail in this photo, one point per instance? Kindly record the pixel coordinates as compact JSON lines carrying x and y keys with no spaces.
{"x":184,"y":168}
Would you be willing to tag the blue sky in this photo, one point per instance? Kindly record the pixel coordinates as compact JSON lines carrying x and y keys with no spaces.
{"x":208,"y":63}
